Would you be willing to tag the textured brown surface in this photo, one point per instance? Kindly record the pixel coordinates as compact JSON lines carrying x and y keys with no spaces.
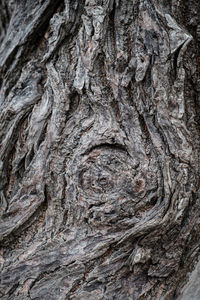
{"x":99,"y":153}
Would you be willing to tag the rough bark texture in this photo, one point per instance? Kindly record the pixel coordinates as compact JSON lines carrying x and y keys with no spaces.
{"x":99,"y":156}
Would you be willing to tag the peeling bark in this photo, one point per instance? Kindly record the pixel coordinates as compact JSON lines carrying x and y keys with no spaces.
{"x":99,"y":153}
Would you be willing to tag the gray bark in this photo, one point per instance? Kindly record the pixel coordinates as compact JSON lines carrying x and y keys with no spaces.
{"x":99,"y":153}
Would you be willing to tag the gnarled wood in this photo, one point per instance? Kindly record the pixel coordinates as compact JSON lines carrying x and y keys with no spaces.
{"x":99,"y":156}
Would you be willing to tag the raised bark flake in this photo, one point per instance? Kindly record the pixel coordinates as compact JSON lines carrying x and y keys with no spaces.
{"x":99,"y":156}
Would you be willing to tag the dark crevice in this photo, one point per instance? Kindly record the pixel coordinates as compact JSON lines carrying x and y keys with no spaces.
{"x":175,"y":61}
{"x":114,"y":146}
{"x":143,"y":126}
{"x":73,"y":105}
{"x":111,"y":31}
{"x":41,"y":276}
{"x":96,"y":205}
{"x":13,"y":289}
{"x":29,"y":158}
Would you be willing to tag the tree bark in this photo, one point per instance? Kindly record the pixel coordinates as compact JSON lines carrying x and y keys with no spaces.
{"x":99,"y":156}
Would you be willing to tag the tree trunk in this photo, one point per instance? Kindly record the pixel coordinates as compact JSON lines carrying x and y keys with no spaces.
{"x":99,"y":157}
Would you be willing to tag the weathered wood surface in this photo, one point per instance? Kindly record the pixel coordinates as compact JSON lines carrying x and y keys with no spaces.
{"x":99,"y":156}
